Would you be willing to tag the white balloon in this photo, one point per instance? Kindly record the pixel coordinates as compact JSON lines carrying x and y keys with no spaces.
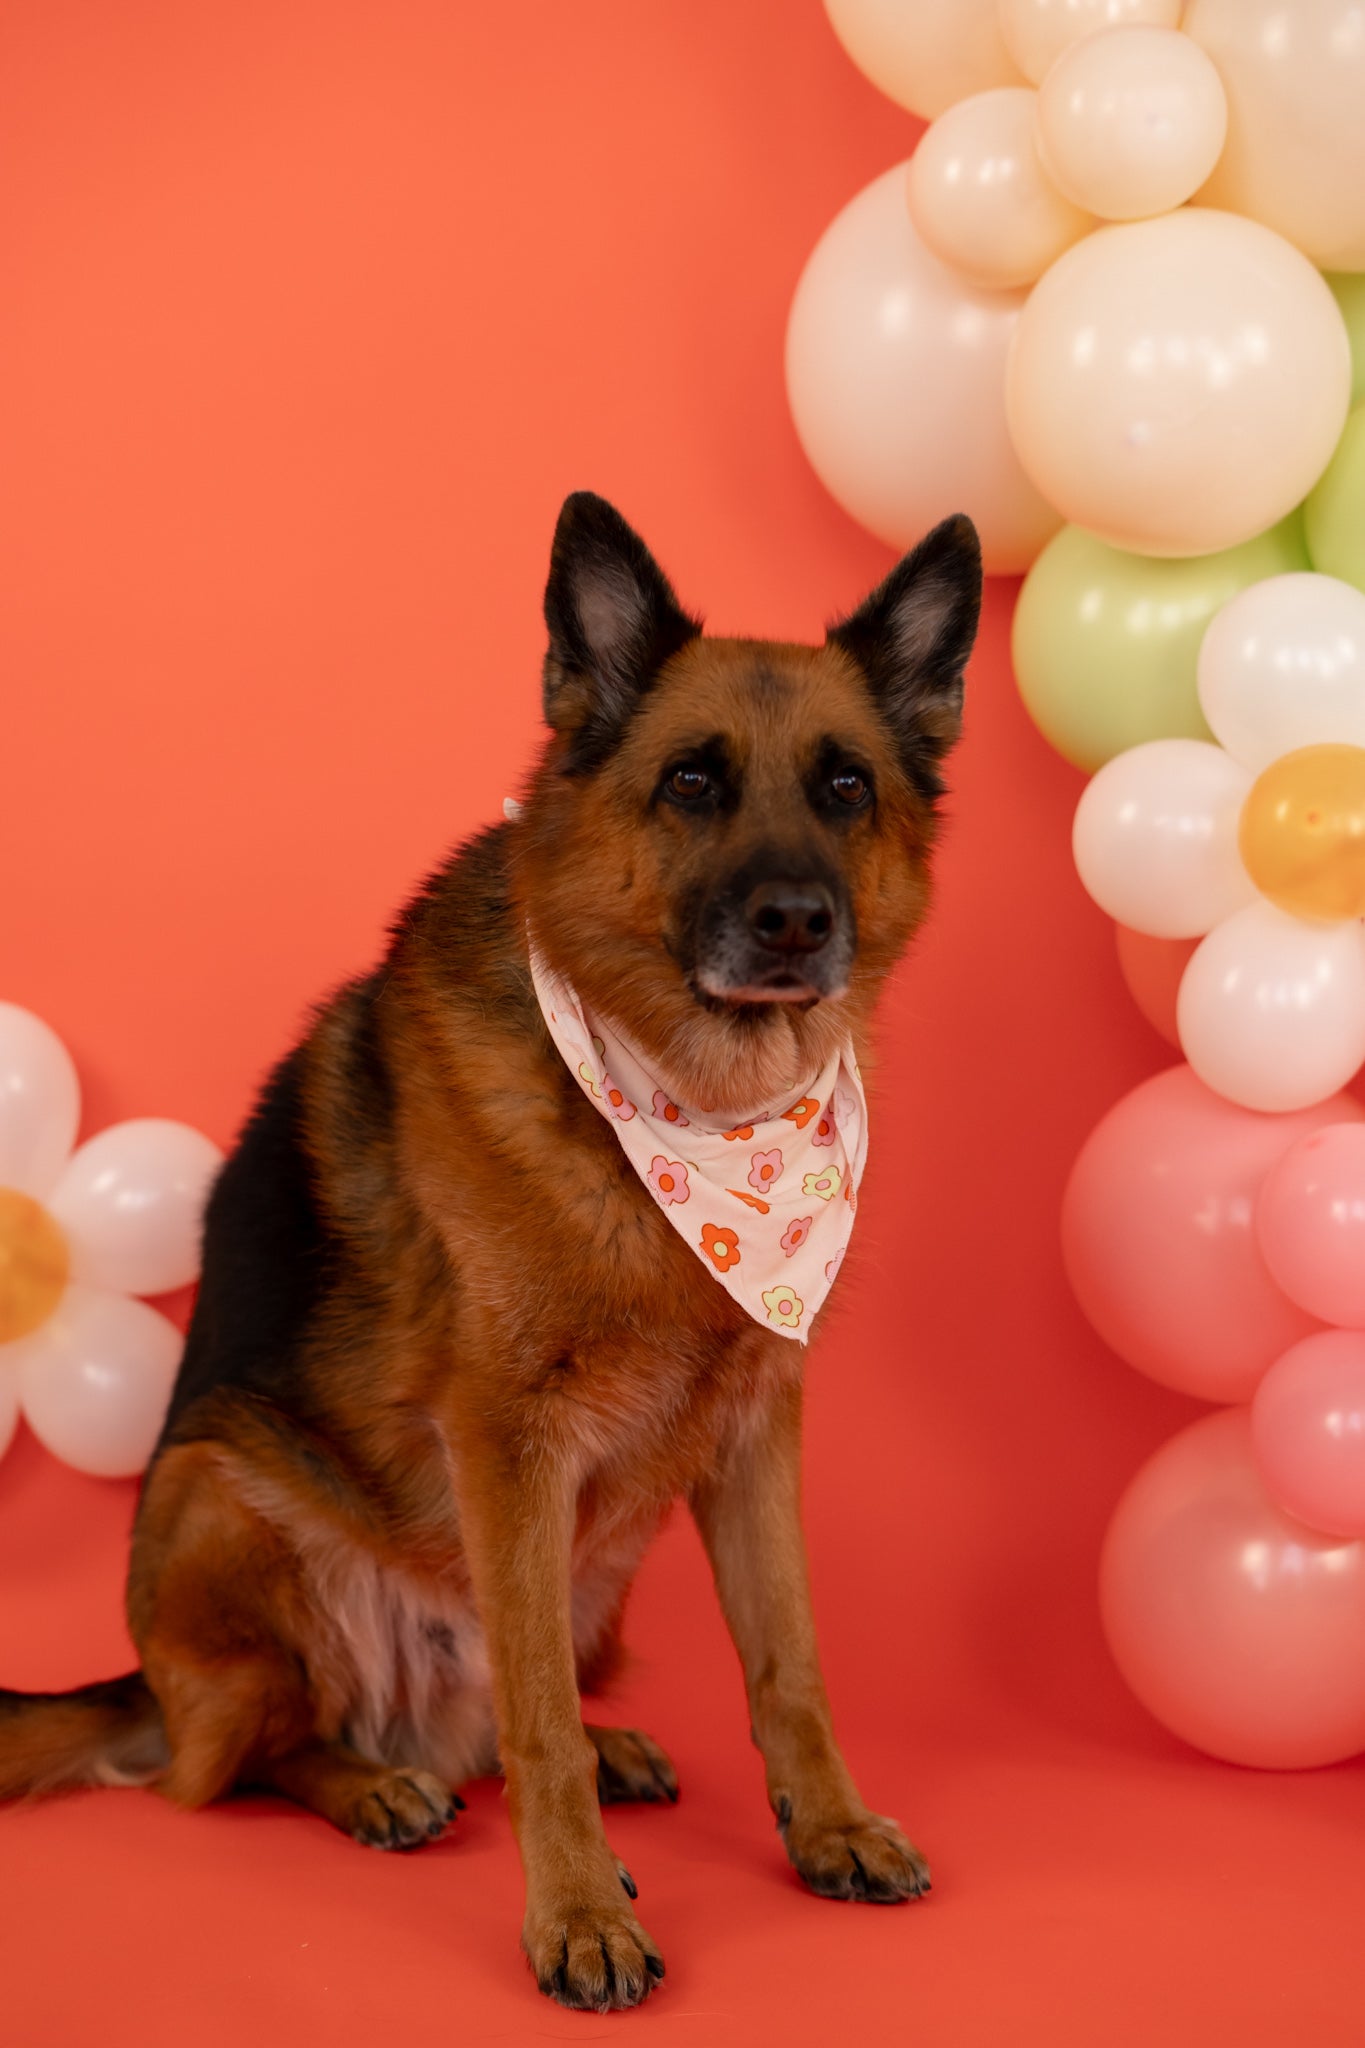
{"x":1155,"y":838}
{"x":924,"y":54}
{"x":896,"y":377}
{"x":1130,"y":122}
{"x":132,"y":1205}
{"x":1037,"y":31}
{"x":40,"y":1102}
{"x":9,"y":1402}
{"x":1282,"y":665}
{"x":95,"y":1381}
{"x":1272,"y":1009}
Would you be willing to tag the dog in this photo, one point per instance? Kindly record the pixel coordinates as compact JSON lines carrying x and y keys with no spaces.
{"x":455,"y":1351}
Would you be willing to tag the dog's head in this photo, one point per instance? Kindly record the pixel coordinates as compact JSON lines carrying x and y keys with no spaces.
{"x":726,"y":845}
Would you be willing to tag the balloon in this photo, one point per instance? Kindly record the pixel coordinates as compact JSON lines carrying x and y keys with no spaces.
{"x":1348,"y":289}
{"x":33,"y":1264}
{"x":1283,"y":666}
{"x":1037,"y":31}
{"x":1295,"y":154}
{"x":1152,"y":968}
{"x":132,"y":1205}
{"x":1272,"y":1010}
{"x":895,"y":372}
{"x":1131,"y":121}
{"x":924,"y":54}
{"x":1310,"y":1223}
{"x":1105,"y":643}
{"x":1241,"y":1631}
{"x":1308,"y":1432}
{"x":1158,"y":1235}
{"x":1174,"y":385}
{"x":40,"y":1102}
{"x":1334,"y":515}
{"x":1302,"y":835}
{"x":979,"y":195}
{"x":95,"y":1380}
{"x":1155,"y":838}
{"x":9,"y":1407}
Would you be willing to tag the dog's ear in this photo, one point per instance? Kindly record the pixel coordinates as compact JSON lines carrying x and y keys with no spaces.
{"x":613,"y":622}
{"x":912,"y":637}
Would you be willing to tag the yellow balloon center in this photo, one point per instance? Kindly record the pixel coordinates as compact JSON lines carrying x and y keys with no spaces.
{"x":33,"y":1264}
{"x":1302,"y":835}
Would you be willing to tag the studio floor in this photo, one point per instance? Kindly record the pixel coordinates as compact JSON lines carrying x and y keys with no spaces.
{"x":314,"y":314}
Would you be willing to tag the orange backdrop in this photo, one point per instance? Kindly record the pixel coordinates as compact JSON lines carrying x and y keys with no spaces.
{"x":311,"y":314}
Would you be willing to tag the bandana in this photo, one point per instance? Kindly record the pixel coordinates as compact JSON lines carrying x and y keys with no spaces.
{"x":767,"y":1204}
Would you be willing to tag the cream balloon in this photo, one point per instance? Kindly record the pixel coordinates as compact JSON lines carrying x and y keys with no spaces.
{"x":1155,"y":838}
{"x":1037,"y":31}
{"x":980,"y":197}
{"x":1295,"y":154}
{"x":131,"y":1203}
{"x":1272,"y":1009}
{"x":924,"y":54}
{"x":1131,"y":121}
{"x":40,"y":1102}
{"x":95,"y":1381}
{"x":1176,"y":385}
{"x":1282,"y":666}
{"x":896,"y":374}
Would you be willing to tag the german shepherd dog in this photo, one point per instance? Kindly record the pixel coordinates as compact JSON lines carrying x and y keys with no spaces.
{"x":449,"y":1365}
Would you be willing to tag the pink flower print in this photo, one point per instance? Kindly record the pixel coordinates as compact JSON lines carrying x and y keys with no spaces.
{"x":832,"y":1266}
{"x":795,"y":1234}
{"x":614,"y":1102}
{"x":783,"y":1306}
{"x":824,"y":1186}
{"x":824,"y":1133}
{"x":666,"y":1111}
{"x":765,"y":1169}
{"x":845,"y":1103}
{"x":668,"y":1178}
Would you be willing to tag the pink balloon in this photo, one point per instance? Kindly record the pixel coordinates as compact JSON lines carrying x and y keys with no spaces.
{"x":1152,"y":969}
{"x":1240,"y":1629}
{"x":1159,"y":1240}
{"x":1308,"y":1432}
{"x":1311,"y":1223}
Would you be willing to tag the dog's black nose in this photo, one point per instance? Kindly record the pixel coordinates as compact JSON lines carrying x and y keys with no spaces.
{"x":790,"y":917}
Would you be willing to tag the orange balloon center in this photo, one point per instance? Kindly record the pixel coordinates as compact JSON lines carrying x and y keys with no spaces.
{"x":33,"y":1264}
{"x":1302,"y":832}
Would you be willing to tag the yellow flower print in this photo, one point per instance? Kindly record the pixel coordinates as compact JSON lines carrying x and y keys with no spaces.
{"x":825,"y":1186}
{"x":783,"y":1306}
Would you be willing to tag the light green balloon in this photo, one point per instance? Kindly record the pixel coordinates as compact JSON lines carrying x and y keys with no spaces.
{"x":1105,"y":643}
{"x":1348,"y":289}
{"x":1334,"y":515}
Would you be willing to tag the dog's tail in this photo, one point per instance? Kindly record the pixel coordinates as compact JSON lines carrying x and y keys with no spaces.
{"x":106,"y":1734}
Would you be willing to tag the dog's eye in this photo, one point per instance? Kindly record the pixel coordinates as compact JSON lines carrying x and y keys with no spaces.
{"x":849,"y":786}
{"x":687,"y":784}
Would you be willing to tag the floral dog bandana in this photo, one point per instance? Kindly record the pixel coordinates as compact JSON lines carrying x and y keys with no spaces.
{"x":768,"y":1204}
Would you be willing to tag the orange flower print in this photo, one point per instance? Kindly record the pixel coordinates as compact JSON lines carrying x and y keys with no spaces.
{"x":614,"y":1102}
{"x":832,"y":1265}
{"x":666,"y":1111}
{"x":740,"y":1131}
{"x":752,"y":1200}
{"x":801,"y":1112}
{"x":783,"y":1306}
{"x":851,"y":1195}
{"x":765,"y":1170}
{"x":795,"y":1234}
{"x":668,"y":1178}
{"x":721,"y":1247}
{"x":824,"y":1185}
{"x":824,"y":1132}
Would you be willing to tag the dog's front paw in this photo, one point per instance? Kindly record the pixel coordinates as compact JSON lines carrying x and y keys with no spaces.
{"x":592,"y":1958}
{"x":864,"y":1858}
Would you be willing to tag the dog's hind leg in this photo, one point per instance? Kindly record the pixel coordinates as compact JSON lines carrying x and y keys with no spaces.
{"x":631,"y":1766}
{"x":380,"y":1805}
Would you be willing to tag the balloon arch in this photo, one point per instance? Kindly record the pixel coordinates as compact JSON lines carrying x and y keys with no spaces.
{"x":1114,"y":306}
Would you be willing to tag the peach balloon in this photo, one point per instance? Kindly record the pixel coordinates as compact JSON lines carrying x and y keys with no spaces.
{"x":95,"y":1381}
{"x":1159,"y":1241}
{"x":1310,"y":1223}
{"x":925,"y":54}
{"x":1176,"y":385}
{"x":1151,"y":969}
{"x":1308,"y":1432}
{"x":980,"y":197}
{"x":1131,"y":121}
{"x":1037,"y":31}
{"x":1238,"y":1628}
{"x":896,"y":378}
{"x":1295,"y":153}
{"x":1302,"y":832}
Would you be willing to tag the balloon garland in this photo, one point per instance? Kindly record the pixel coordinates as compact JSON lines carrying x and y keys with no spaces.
{"x":83,"y":1233}
{"x":1114,"y":306}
